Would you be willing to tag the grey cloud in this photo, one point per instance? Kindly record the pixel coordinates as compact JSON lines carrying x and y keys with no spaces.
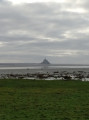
{"x":37,"y":30}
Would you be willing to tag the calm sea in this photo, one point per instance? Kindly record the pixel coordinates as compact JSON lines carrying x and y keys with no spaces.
{"x":38,"y":66}
{"x":24,"y":68}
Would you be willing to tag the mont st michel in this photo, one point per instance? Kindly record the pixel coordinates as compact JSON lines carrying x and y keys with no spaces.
{"x":44,"y":59}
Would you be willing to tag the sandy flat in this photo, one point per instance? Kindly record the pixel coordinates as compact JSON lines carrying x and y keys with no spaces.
{"x":24,"y":71}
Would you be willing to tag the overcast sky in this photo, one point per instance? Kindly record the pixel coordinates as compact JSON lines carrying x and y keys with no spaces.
{"x":31,"y":30}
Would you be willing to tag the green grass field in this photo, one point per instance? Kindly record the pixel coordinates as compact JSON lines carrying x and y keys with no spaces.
{"x":44,"y":100}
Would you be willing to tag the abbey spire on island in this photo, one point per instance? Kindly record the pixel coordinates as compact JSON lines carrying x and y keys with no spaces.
{"x":45,"y":62}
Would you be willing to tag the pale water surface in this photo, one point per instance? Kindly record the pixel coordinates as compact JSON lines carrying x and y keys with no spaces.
{"x":24,"y":68}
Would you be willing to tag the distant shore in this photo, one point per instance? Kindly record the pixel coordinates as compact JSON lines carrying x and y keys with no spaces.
{"x":28,"y":70}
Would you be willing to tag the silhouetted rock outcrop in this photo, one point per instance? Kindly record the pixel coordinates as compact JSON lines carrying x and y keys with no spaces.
{"x":45,"y":61}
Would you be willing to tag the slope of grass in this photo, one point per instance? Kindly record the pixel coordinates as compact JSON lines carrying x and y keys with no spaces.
{"x":44,"y":100}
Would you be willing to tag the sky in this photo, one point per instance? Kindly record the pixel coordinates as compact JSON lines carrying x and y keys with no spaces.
{"x":31,"y":30}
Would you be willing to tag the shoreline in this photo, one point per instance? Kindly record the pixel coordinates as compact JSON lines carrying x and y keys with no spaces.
{"x":46,"y":74}
{"x":49,"y":70}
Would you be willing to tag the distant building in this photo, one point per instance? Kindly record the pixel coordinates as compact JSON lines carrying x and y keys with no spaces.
{"x":45,"y":62}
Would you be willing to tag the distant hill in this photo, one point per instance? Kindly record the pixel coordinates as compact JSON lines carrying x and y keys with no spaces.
{"x":45,"y":61}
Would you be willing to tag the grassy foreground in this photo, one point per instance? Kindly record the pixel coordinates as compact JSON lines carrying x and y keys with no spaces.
{"x":44,"y":100}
